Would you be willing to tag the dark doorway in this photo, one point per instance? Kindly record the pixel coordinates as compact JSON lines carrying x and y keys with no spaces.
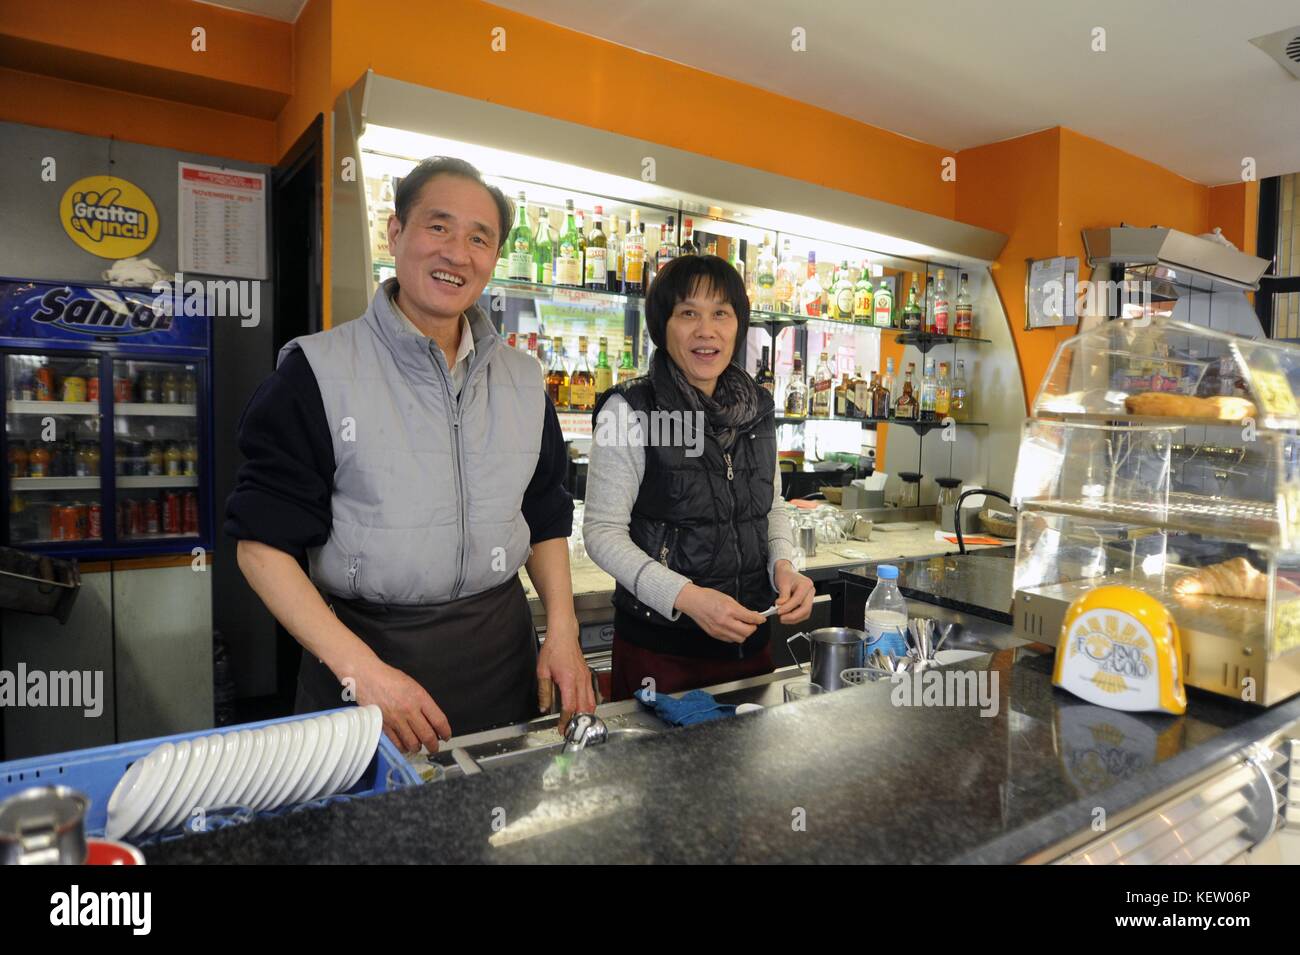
{"x":299,"y":259}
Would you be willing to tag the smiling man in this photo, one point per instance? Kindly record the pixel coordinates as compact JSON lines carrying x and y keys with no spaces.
{"x":417,"y":463}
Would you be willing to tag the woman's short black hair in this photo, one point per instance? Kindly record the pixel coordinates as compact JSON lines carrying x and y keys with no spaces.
{"x":408,"y":189}
{"x":680,"y":278}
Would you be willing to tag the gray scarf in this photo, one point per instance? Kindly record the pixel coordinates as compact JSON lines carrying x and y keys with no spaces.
{"x":732,"y":406}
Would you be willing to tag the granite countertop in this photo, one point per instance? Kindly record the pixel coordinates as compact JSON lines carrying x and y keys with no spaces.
{"x":977,"y":583}
{"x":844,"y":777}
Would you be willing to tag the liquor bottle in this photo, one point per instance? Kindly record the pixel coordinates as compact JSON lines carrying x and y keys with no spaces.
{"x":582,"y":247}
{"x":519,"y":246}
{"x":883,"y":304}
{"x":604,"y":374}
{"x":863,"y":297}
{"x":765,"y":276}
{"x":823,"y":382}
{"x":634,"y":256}
{"x":912,"y":310}
{"x":502,"y":268}
{"x":796,"y":392}
{"x":544,"y":251}
{"x":733,"y":256}
{"x":613,"y":256}
{"x":595,"y":271}
{"x":568,"y":258}
{"x":942,"y":392}
{"x":626,"y":366}
{"x":690,"y":244}
{"x":764,"y":377}
{"x":929,"y":305}
{"x":667,"y":246}
{"x":905,"y":408}
{"x":965,"y":326}
{"x":557,"y":379}
{"x":843,"y":294}
{"x":810,"y":291}
{"x":533,"y":350}
{"x":842,"y":392}
{"x":582,"y":384}
{"x":958,"y":395}
{"x":873,"y":395}
{"x":928,"y":392}
{"x":862,"y":399}
{"x":885,"y":396}
{"x":940,"y":305}
{"x":787,"y":280}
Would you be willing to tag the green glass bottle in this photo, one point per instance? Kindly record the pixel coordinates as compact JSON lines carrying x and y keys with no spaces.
{"x":568,"y":258}
{"x":544,"y":251}
{"x":519,"y":246}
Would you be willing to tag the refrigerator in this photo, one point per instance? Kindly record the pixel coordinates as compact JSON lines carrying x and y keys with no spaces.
{"x":107,"y":435}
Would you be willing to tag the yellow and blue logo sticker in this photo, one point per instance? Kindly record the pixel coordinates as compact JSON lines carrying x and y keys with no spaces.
{"x":109,"y":216}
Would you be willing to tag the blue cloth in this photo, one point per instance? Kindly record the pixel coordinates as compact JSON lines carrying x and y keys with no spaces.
{"x":693,"y":707}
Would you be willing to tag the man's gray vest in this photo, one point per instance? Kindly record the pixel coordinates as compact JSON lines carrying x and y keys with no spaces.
{"x":427,"y":489}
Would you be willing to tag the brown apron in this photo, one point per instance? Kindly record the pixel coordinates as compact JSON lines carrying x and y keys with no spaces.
{"x":476,"y":656}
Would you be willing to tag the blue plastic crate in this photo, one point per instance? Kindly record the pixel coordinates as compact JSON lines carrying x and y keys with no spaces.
{"x":96,"y":773}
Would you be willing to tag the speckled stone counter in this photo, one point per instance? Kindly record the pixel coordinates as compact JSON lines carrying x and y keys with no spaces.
{"x":845,"y":777}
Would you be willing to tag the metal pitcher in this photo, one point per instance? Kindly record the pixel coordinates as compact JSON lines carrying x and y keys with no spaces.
{"x":831,"y":650}
{"x":43,"y":825}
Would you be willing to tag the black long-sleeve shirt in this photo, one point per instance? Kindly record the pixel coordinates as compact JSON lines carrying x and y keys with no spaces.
{"x":282,"y":495}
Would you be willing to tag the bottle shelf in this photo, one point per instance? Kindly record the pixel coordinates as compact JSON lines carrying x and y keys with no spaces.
{"x":154,"y":410}
{"x":15,"y":406}
{"x":54,"y":483}
{"x":125,"y":482}
{"x":516,"y":288}
{"x":920,"y":427}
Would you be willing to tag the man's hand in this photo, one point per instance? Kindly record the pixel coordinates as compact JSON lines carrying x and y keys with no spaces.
{"x":410,"y":715}
{"x":718,"y":615}
{"x":795,"y":594}
{"x":561,"y":663}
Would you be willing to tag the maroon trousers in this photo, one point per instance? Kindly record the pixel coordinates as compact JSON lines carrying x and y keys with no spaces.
{"x":673,"y":673}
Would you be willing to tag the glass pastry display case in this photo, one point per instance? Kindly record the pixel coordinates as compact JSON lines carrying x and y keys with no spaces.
{"x":1163,"y":456}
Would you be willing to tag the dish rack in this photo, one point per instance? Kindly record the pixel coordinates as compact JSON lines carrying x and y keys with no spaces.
{"x":96,"y":772}
{"x":1142,"y":500}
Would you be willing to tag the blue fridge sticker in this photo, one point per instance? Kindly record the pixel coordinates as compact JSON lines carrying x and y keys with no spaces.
{"x":66,"y":312}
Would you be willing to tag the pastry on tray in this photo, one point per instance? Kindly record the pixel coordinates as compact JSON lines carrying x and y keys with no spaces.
{"x":1168,"y":405}
{"x":1232,"y":578}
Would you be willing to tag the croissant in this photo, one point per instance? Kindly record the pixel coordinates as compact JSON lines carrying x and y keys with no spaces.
{"x":1167,"y":404}
{"x":1232,"y":578}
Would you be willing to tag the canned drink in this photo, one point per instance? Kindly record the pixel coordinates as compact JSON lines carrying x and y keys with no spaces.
{"x":92,"y":388}
{"x":171,"y":513}
{"x":123,"y":390}
{"x":81,"y":518}
{"x":134,"y":521}
{"x":44,"y":384}
{"x":152,"y":516}
{"x":74,"y":388}
{"x":95,"y":525}
{"x":56,"y":522}
{"x":191,"y":513}
{"x":69,"y":525}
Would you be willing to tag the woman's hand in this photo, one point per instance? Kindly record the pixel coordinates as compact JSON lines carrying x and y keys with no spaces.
{"x":794,"y":599}
{"x":718,"y":615}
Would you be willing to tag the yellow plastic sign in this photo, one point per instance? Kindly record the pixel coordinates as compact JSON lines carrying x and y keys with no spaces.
{"x":109,"y":217}
{"x":1120,"y":648}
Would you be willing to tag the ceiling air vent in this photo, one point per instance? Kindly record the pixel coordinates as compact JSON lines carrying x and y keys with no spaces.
{"x":1283,"y":46}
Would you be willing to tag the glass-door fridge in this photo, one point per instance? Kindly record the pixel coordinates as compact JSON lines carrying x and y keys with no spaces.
{"x":107,"y":421}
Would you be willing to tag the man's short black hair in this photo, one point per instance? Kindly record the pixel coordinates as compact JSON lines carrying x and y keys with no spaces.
{"x":410,"y":185}
{"x":683,"y":276}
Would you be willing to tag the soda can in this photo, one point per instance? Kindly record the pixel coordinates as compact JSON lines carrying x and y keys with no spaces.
{"x":171,"y":513}
{"x":56,"y":522}
{"x":191,"y":513}
{"x":123,"y":392}
{"x":134,"y":517}
{"x":92,"y":388}
{"x":152,"y":516}
{"x":81,"y":518}
{"x":95,"y":526}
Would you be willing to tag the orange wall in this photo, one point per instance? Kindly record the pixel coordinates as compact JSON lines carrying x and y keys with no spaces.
{"x":1014,"y":187}
{"x":1234,"y":208}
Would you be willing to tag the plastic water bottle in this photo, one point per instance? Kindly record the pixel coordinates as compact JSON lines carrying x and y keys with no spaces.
{"x":886,"y":616}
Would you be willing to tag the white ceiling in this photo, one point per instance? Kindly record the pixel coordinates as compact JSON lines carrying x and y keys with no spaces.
{"x":286,"y":10}
{"x":1179,"y":83}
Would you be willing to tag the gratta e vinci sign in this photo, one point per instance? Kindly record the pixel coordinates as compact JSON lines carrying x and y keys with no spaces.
{"x":109,"y":217}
